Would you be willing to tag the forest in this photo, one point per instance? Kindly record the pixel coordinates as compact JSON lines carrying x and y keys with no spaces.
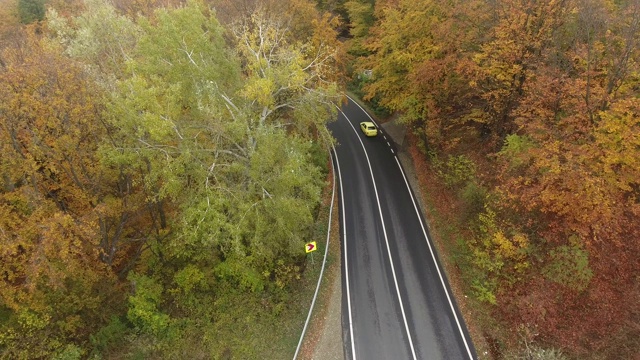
{"x":161,"y":172}
{"x":527,"y":113}
{"x":164,"y":162}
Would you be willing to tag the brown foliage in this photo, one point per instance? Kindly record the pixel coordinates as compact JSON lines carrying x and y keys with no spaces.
{"x":69,"y":223}
{"x":49,"y":253}
{"x":551,"y":89}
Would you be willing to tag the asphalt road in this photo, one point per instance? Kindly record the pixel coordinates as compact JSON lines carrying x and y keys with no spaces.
{"x":396,"y":300}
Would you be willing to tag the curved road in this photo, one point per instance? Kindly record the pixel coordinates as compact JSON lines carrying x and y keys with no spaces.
{"x":396,"y":300}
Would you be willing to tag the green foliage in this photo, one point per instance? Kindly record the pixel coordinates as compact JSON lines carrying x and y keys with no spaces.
{"x":280,"y":71}
{"x":101,"y":37}
{"x":285,"y":273}
{"x":474,"y":197}
{"x":516,"y":150}
{"x":22,"y":336}
{"x":70,"y":352}
{"x":31,"y":10}
{"x":318,"y":157}
{"x":144,"y":305}
{"x":192,"y":285}
{"x":569,"y":266}
{"x":361,"y":18}
{"x":5,"y":314}
{"x":112,"y":333}
{"x":190,"y":278}
{"x":455,"y":171}
{"x":484,"y":291}
{"x":500,"y":257}
{"x":237,"y":273}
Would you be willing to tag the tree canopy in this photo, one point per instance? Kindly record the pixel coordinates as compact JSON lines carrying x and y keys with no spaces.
{"x":528,"y":110}
{"x":151,"y":164}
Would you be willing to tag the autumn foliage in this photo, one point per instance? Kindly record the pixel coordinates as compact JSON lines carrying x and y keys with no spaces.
{"x":162,"y":162}
{"x":156,"y":174}
{"x":49,"y":203}
{"x":542,"y":98}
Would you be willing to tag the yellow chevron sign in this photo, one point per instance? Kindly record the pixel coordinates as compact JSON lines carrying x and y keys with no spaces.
{"x":309,"y":247}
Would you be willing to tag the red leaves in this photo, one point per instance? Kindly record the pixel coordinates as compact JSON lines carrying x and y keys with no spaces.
{"x":552,"y":88}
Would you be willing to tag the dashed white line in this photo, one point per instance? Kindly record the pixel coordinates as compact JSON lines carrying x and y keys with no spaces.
{"x":433,"y":256}
{"x":386,"y":239}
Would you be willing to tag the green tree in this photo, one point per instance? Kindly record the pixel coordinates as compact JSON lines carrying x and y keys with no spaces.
{"x":100,"y":37}
{"x":219,"y":152}
{"x":31,"y":10}
{"x":361,"y":18}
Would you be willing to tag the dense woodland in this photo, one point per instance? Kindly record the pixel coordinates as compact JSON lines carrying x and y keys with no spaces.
{"x":529,"y":111}
{"x":161,"y":172}
{"x":163,"y":163}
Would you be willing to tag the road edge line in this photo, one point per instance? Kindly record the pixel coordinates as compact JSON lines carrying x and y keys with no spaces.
{"x":324,"y":262}
{"x":386,"y":239}
{"x":435,"y":261}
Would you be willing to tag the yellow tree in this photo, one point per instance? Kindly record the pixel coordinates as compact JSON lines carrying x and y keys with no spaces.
{"x":402,"y":39}
{"x":421,"y":62}
{"x":524,"y":30}
{"x":54,"y":284}
{"x":571,"y":175}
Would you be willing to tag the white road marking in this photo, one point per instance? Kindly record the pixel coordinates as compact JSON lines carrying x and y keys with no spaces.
{"x":366,"y":113}
{"x":386,"y":239}
{"x":324,"y":262}
{"x":464,"y":339}
{"x":346,"y":265}
{"x":424,"y":232}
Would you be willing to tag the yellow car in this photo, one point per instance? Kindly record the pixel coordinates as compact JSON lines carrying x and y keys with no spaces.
{"x":369,"y":128}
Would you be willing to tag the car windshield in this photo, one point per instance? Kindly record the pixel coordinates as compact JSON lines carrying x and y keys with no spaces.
{"x":370,"y":127}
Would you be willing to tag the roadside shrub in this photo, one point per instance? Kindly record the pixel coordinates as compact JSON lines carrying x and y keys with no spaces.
{"x":569,"y":266}
{"x":474,"y":197}
{"x":500,"y":256}
{"x":112,"y":333}
{"x":455,"y":171}
{"x":529,"y":350}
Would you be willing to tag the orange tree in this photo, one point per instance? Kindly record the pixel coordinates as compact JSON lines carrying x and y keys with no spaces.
{"x":55,"y":286}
